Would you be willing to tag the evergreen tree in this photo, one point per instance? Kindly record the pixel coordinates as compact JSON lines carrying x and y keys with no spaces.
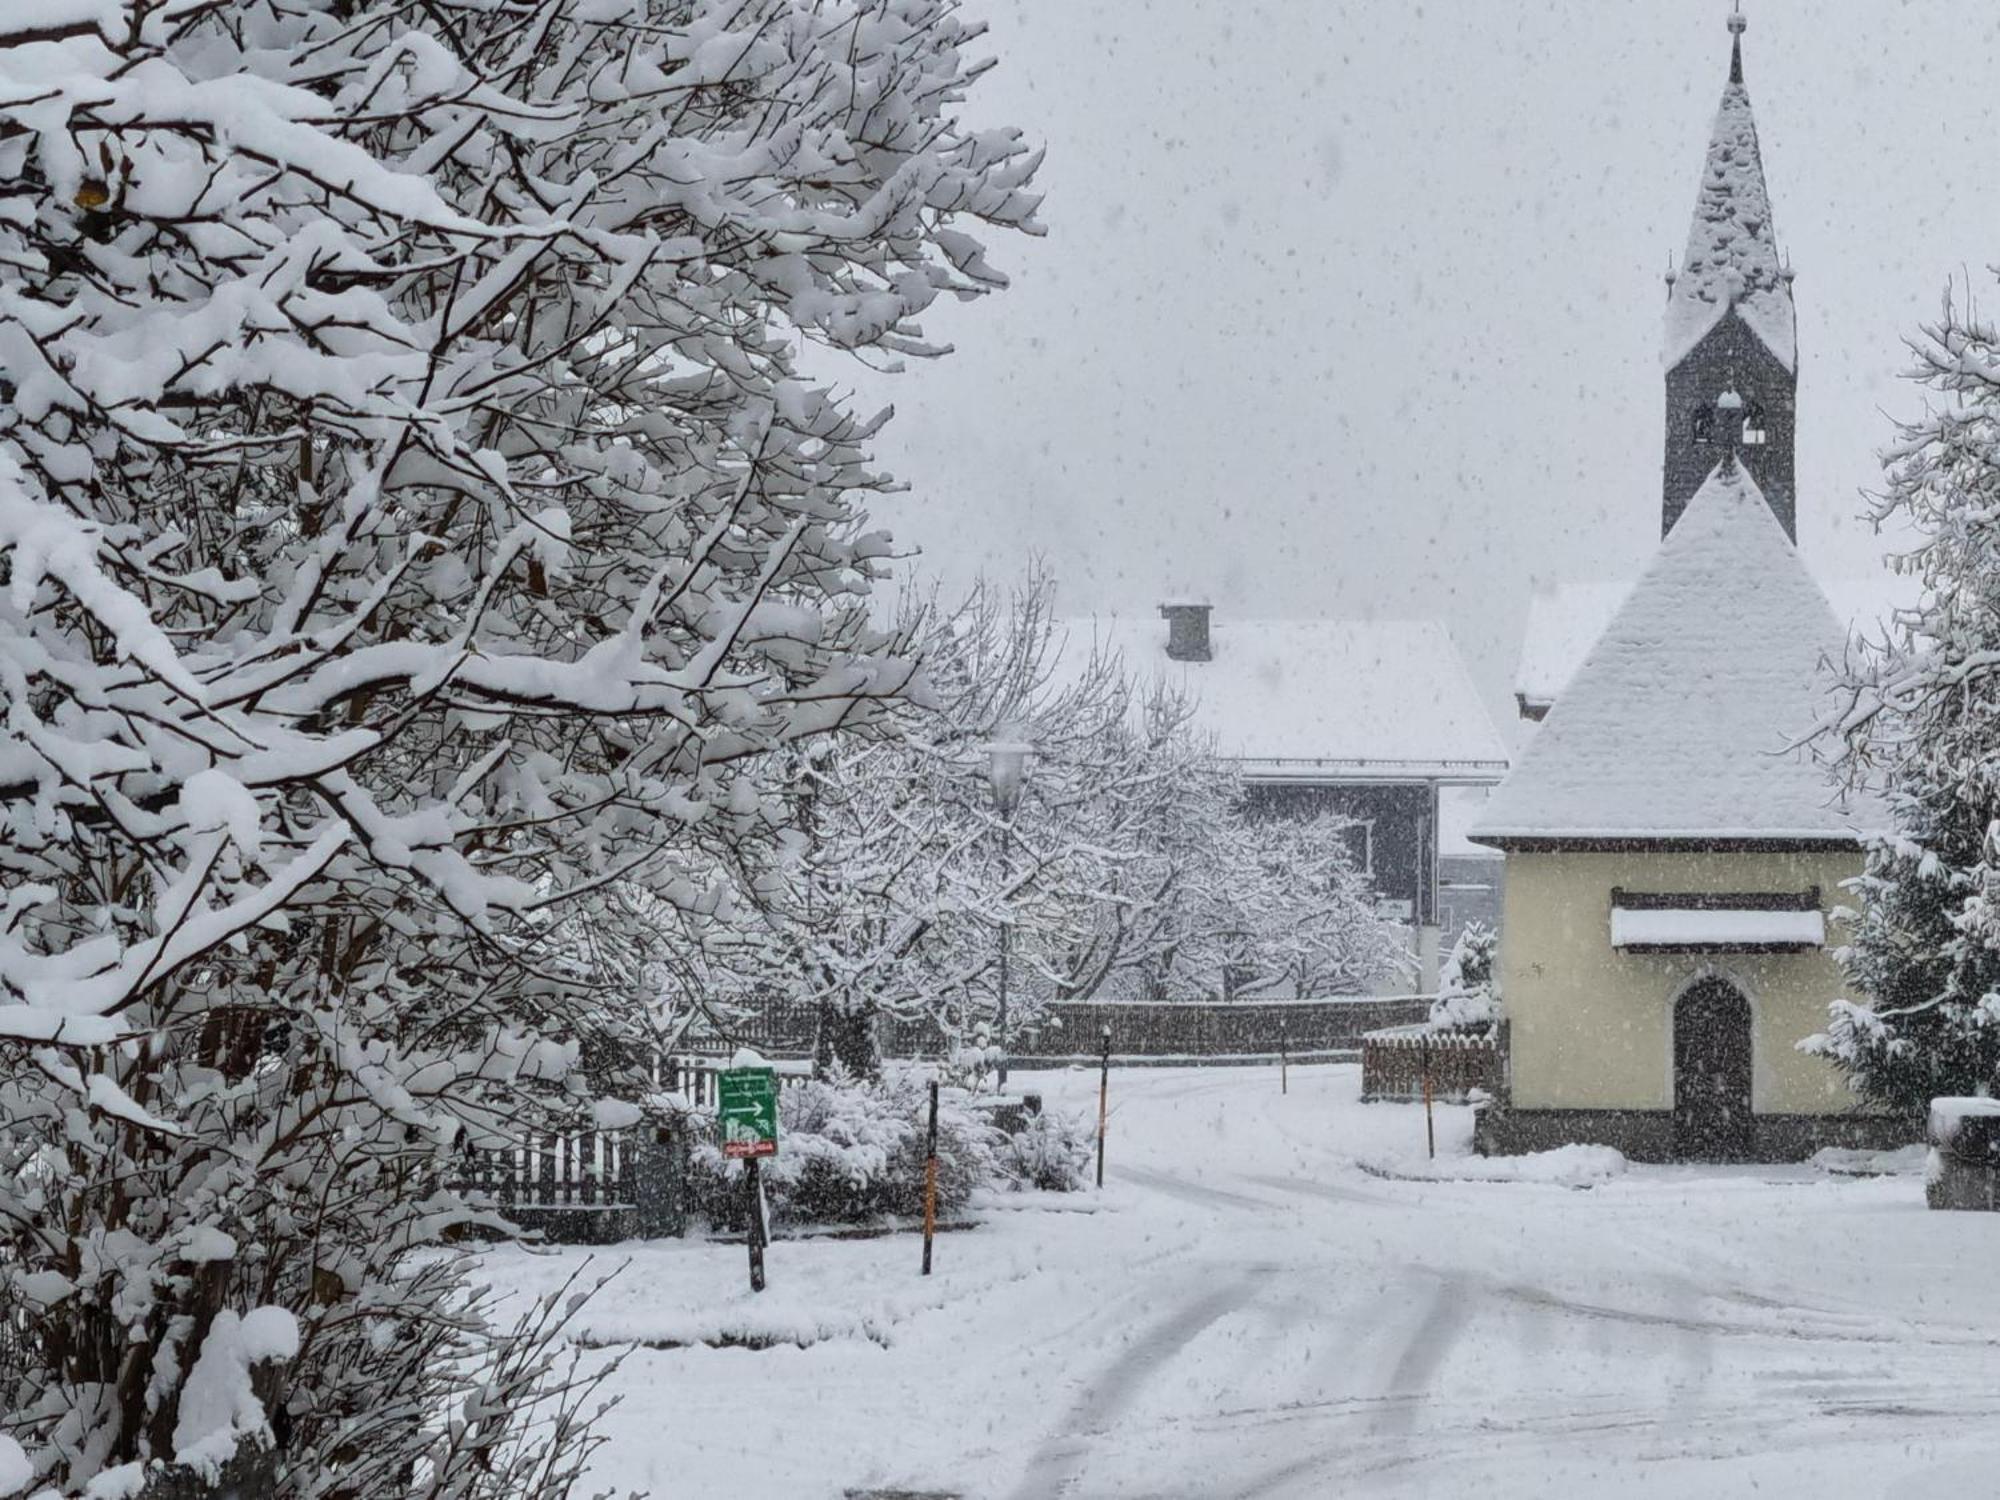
{"x":1468,"y":996}
{"x":1921,"y":724}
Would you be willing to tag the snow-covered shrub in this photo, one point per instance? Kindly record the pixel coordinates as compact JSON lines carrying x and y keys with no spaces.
{"x":417,"y":533}
{"x":852,"y":1152}
{"x":1468,"y":997}
{"x":1051,"y":1151}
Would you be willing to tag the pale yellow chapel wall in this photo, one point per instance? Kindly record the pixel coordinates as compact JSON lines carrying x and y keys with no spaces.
{"x":1592,"y":1028}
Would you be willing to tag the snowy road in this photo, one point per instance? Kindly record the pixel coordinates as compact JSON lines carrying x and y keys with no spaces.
{"x":1252,"y":1312}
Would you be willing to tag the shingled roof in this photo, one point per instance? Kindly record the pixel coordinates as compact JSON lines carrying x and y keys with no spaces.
{"x":1682,"y":723}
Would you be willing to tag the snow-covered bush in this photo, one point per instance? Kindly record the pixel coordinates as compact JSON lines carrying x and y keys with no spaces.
{"x":1468,"y":997}
{"x":852,"y":1152}
{"x":417,"y":534}
{"x":1051,"y":1151}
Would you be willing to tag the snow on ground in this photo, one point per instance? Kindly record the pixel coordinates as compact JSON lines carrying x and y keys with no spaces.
{"x":1251,"y":1313}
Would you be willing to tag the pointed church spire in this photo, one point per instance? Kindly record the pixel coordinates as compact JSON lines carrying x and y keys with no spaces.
{"x":1731,"y":345}
{"x":1732,"y":250}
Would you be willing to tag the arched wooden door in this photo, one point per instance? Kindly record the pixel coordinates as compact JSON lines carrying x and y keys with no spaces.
{"x":1712,"y":1055}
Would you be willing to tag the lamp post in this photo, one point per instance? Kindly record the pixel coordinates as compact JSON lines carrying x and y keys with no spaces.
{"x":1007,"y":774}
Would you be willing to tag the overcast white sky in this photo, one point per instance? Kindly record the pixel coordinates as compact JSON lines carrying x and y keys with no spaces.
{"x":1354,"y":308}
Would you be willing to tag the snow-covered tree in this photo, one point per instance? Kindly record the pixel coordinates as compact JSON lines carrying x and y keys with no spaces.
{"x":1922,"y":725}
{"x":1270,"y":907}
{"x":1131,"y":864}
{"x":911,"y":874}
{"x":1468,"y":997}
{"x":417,"y":537}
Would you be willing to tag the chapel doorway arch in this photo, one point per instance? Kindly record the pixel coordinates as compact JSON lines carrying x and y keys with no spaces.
{"x":1712,"y":1073}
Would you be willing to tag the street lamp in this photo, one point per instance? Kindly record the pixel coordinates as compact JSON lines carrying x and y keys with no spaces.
{"x":1007,"y":774}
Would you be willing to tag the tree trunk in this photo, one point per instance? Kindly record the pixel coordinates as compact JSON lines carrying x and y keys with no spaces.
{"x":851,"y":1038}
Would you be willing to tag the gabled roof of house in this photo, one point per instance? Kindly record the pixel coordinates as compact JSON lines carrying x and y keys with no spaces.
{"x":1320,"y":699}
{"x":1732,"y":264}
{"x":1682,"y":725}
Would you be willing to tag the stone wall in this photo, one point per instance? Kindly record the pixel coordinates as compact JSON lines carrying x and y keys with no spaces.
{"x":1215,"y":1031}
{"x":1648,"y":1135}
{"x":1195,"y":1030}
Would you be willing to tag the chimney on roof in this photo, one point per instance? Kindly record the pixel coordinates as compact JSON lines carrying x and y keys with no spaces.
{"x":1187,"y":632}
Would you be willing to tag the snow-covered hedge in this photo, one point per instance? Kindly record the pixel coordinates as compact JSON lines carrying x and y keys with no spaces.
{"x":852,"y":1152}
{"x":1052,"y":1152}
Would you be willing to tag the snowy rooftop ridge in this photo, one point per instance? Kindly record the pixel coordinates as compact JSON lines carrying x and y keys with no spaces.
{"x":1682,"y":722}
{"x":1317,"y":699}
{"x":1732,"y":249}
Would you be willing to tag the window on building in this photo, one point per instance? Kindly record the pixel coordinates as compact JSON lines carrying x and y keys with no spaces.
{"x":1754,"y":435}
{"x":1703,"y":424}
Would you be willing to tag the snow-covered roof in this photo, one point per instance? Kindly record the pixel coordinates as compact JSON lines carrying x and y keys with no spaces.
{"x":1681,"y":722}
{"x":1732,"y":250}
{"x":1565,"y":620}
{"x":1459,"y":808}
{"x":1319,"y":699}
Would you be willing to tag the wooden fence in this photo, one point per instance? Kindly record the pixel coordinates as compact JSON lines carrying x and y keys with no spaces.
{"x":1395,"y":1061}
{"x":597,"y":1187}
{"x":695,"y":1076}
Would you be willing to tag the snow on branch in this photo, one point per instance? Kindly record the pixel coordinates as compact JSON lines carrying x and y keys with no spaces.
{"x":425,"y":561}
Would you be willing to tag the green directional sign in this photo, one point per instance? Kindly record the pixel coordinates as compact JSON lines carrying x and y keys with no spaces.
{"x":747,"y":1103}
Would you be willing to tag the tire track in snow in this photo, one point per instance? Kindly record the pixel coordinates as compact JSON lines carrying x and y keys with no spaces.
{"x":1054,"y":1469}
{"x":1409,"y":1386}
{"x":1331,"y":1192}
{"x":1886,"y":1334}
{"x":1199,"y":1194}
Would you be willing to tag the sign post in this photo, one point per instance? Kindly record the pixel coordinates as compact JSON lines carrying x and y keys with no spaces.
{"x":1430,"y":1127}
{"x":747,"y":1110}
{"x":930,"y":1180}
{"x":1103,"y":1101}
